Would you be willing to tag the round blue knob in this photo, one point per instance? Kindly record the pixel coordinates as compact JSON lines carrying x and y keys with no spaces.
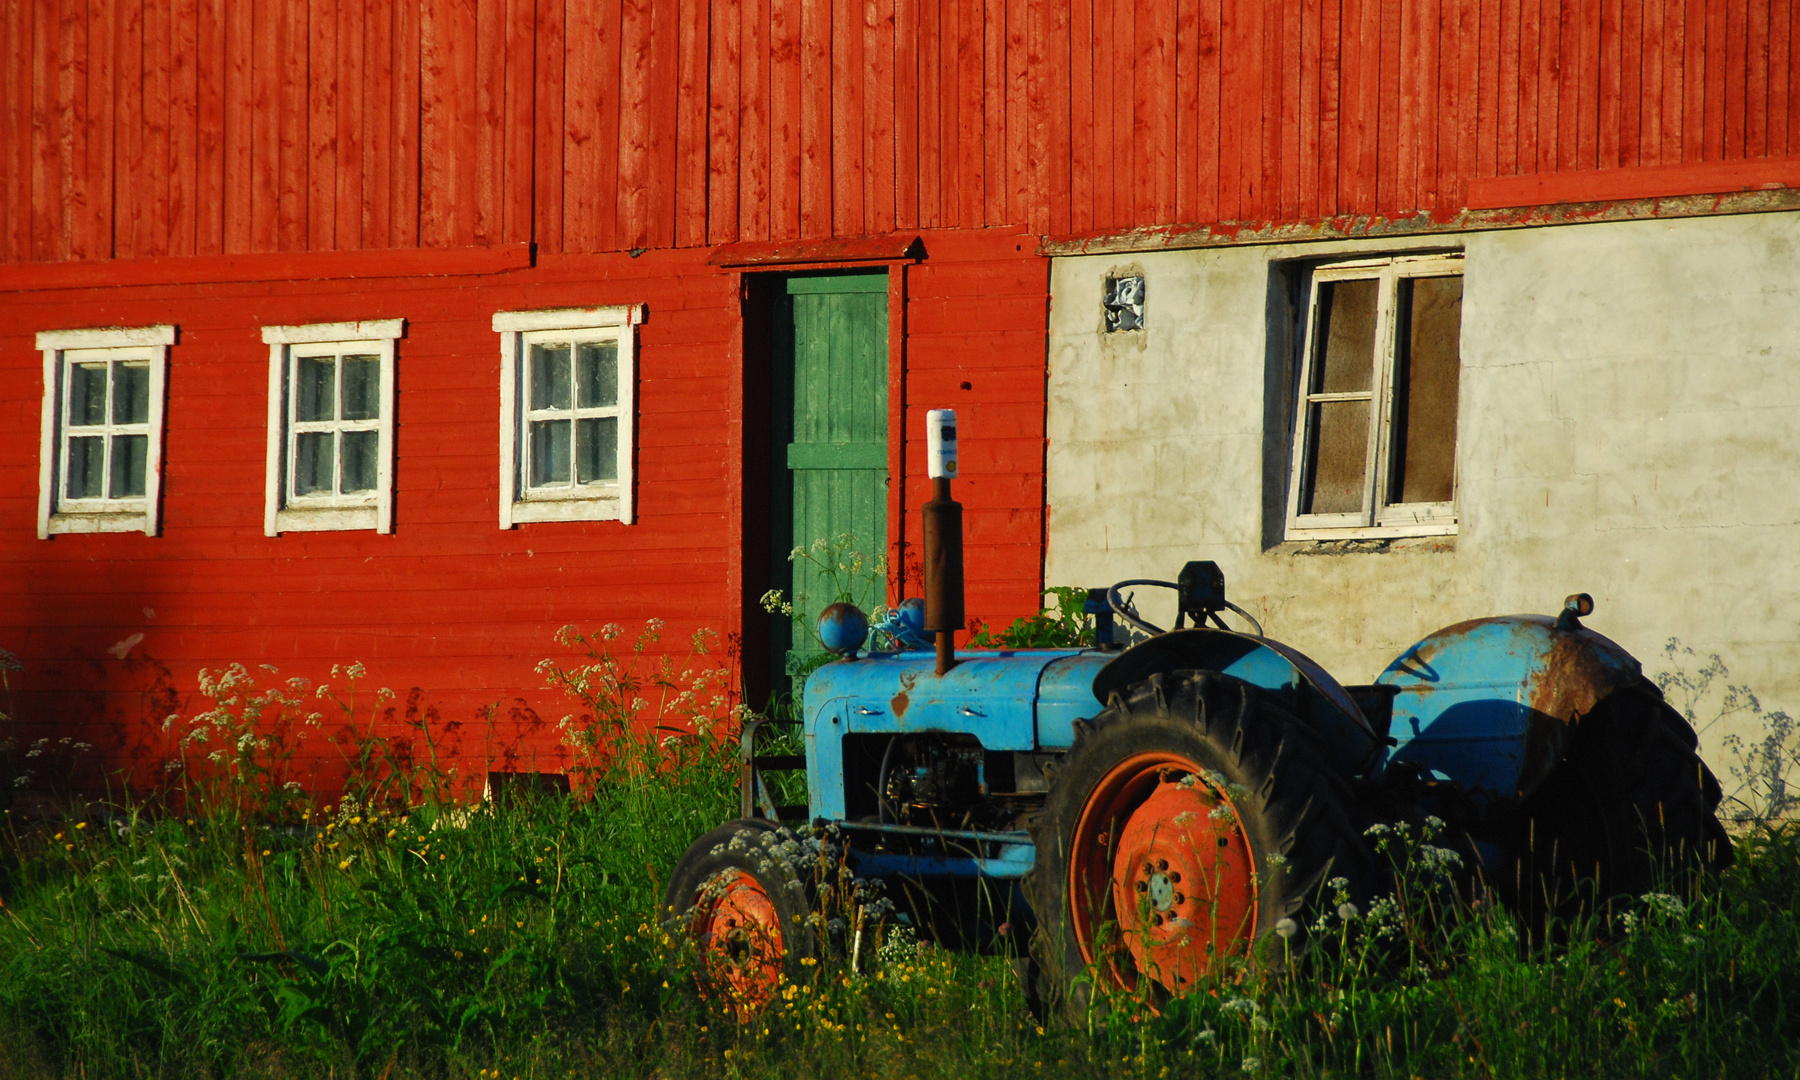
{"x":842,"y":628}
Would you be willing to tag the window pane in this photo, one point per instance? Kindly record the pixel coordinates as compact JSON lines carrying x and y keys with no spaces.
{"x":87,"y":396}
{"x":597,"y":449}
{"x":87,"y":463}
{"x":131,"y":393}
{"x":359,"y":460}
{"x":312,"y":463}
{"x":549,"y":452}
{"x":1345,"y":336}
{"x":362,"y":389}
{"x":550,"y":376}
{"x":1425,"y":381}
{"x":128,"y":462}
{"x":597,"y":377}
{"x":315,"y":389}
{"x":1335,"y":460}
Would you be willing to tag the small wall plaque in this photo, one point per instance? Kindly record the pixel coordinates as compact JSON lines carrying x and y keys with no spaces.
{"x":1123,"y":300}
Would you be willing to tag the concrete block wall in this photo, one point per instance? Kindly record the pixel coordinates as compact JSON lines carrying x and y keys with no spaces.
{"x":1629,"y":426}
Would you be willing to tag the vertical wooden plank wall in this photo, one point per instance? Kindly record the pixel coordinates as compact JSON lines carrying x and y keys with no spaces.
{"x":195,"y":127}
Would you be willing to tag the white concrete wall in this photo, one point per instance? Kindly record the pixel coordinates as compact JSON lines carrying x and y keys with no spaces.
{"x":1629,"y":427}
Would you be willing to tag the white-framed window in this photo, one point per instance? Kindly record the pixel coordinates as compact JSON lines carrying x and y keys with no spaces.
{"x":331,"y":426}
{"x":1374,"y":451}
{"x":100,"y":453}
{"x":567,"y":413}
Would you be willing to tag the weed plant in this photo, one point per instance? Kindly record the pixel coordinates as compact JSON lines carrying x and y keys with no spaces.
{"x":250,"y":932}
{"x":1063,"y":624}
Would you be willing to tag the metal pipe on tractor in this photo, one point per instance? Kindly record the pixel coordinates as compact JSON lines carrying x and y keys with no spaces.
{"x":942,"y":520}
{"x":1140,"y":809}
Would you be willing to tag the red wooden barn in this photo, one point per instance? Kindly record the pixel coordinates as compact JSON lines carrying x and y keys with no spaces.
{"x":407,"y":331}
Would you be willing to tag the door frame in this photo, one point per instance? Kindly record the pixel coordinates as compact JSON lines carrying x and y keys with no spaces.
{"x":755,"y":349}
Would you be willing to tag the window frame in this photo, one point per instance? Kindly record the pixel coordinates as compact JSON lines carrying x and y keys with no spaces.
{"x":594,"y":502}
{"x":370,"y":510}
{"x":1376,"y":519}
{"x":56,"y":512}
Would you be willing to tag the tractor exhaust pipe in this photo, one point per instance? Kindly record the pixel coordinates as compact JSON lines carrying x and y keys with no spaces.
{"x":942,"y":518}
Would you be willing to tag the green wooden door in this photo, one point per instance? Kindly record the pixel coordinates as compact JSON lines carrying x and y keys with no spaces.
{"x":836,"y":427}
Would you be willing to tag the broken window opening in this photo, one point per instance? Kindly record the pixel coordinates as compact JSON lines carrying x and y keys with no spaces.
{"x":1375,"y":437}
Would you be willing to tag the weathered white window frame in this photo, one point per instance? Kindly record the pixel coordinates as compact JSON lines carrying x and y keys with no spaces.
{"x":282,"y":511}
{"x":1376,"y":519}
{"x":61,"y":348}
{"x":586,"y":502}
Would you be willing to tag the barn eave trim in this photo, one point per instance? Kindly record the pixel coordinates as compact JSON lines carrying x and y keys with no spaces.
{"x":899,"y":247}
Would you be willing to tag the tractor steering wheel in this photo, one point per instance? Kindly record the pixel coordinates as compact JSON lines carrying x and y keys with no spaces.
{"x":1123,"y":610}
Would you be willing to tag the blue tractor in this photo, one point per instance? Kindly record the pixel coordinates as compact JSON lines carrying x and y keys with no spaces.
{"x":1139,"y":809}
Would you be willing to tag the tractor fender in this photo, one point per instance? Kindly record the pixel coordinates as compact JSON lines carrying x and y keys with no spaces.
{"x":1299,"y":684}
{"x":1492,"y":703}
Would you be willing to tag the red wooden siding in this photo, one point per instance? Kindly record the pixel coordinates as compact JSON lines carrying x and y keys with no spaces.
{"x":130,"y":128}
{"x":449,"y":603}
{"x":212,"y":589}
{"x":976,"y":311}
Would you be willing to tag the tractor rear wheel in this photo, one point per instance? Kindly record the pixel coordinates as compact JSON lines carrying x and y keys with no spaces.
{"x":1191,"y":818}
{"x":739,"y":894}
{"x":1631,"y":810}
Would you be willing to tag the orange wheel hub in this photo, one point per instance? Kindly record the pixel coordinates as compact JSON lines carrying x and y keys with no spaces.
{"x":739,"y":935}
{"x":1160,"y":854}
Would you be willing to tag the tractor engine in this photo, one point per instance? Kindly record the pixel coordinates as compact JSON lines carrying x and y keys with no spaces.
{"x":933,"y":780}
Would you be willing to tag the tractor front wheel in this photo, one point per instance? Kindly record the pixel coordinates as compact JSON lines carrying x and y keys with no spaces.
{"x":1191,"y":818}
{"x":739,"y":895}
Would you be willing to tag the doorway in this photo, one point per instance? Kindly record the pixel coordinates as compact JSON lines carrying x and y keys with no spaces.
{"x":827,"y":449}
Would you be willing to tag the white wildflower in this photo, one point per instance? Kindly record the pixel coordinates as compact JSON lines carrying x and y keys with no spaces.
{"x":1439,"y":860}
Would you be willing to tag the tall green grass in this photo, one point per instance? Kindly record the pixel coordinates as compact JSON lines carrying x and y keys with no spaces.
{"x":401,"y":932}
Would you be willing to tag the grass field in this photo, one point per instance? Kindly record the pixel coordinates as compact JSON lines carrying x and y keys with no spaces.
{"x":251,"y":933}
